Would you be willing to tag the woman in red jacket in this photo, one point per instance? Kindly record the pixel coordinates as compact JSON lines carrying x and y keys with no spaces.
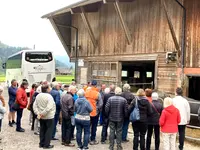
{"x":169,"y":121}
{"x":22,"y":100}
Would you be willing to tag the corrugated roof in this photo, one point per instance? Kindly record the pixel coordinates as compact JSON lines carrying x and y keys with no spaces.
{"x":67,"y":8}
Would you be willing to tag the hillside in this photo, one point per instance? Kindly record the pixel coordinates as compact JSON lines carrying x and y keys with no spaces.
{"x":6,"y":51}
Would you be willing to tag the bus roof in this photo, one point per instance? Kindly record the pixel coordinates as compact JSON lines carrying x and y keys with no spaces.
{"x":28,"y":50}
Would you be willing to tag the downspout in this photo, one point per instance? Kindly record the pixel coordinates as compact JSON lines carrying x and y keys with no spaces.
{"x":183,"y":40}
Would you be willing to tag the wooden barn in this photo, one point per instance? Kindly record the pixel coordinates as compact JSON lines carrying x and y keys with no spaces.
{"x":147,"y":43}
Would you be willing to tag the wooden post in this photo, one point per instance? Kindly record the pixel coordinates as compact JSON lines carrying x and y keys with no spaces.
{"x":171,"y":28}
{"x":123,"y":24}
{"x":87,"y":25}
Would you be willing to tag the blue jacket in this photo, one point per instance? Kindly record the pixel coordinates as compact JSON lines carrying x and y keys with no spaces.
{"x":12,"y":94}
{"x":56,"y":96}
{"x":83,"y":107}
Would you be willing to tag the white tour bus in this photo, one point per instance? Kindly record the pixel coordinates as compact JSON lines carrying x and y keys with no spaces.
{"x":33,"y":65}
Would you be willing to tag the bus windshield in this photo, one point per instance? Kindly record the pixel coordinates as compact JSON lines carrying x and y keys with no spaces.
{"x":38,"y":57}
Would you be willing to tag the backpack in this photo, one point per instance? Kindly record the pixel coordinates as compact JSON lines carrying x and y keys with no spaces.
{"x":135,"y":114}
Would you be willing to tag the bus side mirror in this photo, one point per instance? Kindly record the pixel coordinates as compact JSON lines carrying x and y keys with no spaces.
{"x":4,"y":65}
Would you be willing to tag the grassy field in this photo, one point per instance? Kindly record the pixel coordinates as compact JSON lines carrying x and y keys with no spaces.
{"x":67,"y":79}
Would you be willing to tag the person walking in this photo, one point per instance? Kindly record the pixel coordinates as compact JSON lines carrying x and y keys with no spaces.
{"x":67,"y":108}
{"x":12,"y":90}
{"x":184,"y":108}
{"x":56,"y":96}
{"x":153,"y":122}
{"x":129,"y":97}
{"x":169,"y":120}
{"x":82,"y":120}
{"x":44,"y":107}
{"x":140,"y":126}
{"x":117,"y":109}
{"x":94,"y":97}
{"x":105,"y":117}
{"x":22,"y":101}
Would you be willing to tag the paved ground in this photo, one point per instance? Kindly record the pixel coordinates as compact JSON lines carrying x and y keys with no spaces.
{"x":28,"y":141}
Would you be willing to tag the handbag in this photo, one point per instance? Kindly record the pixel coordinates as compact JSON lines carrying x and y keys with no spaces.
{"x":15,"y":106}
{"x":135,"y":114}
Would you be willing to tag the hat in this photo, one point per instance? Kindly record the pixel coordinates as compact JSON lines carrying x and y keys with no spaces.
{"x":94,"y":82}
{"x":154,"y":96}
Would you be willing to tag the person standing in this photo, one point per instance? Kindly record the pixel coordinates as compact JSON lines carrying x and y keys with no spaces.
{"x":95,"y":100}
{"x":22,"y":101}
{"x":148,"y":93}
{"x":2,"y":108}
{"x":56,"y":96}
{"x":116,"y":109}
{"x":67,"y":108}
{"x":184,"y":108}
{"x":105,"y":117}
{"x":169,"y":120}
{"x":12,"y":90}
{"x":82,"y":120}
{"x":153,"y":122}
{"x":140,"y":126}
{"x":129,"y":97}
{"x":44,"y":107}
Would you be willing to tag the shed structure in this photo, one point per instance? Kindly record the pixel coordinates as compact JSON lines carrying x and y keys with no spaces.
{"x":136,"y":41}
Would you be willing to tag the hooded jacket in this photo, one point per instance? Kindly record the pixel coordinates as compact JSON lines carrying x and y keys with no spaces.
{"x":144,"y":108}
{"x":83,"y":107}
{"x":170,"y":119}
{"x":21,"y":98}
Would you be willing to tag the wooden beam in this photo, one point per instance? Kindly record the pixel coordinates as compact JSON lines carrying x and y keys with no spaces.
{"x":88,"y":27}
{"x":60,"y":36}
{"x":171,"y":28}
{"x":123,"y":24}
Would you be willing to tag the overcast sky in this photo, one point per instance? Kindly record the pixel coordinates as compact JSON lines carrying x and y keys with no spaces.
{"x":21,"y":23}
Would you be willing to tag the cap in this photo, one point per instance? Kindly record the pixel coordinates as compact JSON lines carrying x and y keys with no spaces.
{"x":94,"y":82}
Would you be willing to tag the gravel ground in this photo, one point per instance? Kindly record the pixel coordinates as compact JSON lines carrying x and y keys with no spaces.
{"x":13,"y":140}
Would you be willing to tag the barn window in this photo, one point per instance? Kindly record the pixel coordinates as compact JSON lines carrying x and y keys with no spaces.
{"x":136,"y":74}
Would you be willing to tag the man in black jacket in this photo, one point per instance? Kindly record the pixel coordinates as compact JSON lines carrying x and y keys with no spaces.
{"x":116,"y":109}
{"x":67,"y":107}
{"x":129,"y":97}
{"x":104,"y":117}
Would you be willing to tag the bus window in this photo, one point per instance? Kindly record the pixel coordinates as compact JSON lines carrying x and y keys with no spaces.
{"x":39,"y":57}
{"x":14,"y":62}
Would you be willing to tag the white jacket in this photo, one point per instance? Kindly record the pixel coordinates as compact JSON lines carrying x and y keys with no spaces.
{"x":2,"y":110}
{"x":184,"y":108}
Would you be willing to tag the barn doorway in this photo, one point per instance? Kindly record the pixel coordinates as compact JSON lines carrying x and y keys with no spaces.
{"x":194,"y":86}
{"x":139,"y":74}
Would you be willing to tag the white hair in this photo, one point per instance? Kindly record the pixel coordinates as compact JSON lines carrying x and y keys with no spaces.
{"x":107,"y":90}
{"x":1,"y":89}
{"x":39,"y":89}
{"x":126,"y":87}
{"x":118,"y":91}
{"x":54,"y":84}
{"x":81,"y":93}
{"x":71,"y":87}
{"x":154,"y":96}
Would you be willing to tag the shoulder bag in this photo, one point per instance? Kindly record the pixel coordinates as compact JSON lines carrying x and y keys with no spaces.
{"x":135,"y":114}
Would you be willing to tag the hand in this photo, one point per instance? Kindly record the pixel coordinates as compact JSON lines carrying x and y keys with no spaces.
{"x":39,"y":116}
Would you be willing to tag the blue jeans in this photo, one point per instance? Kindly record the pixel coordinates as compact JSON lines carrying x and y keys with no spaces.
{"x":56,"y":118}
{"x":82,"y":125}
{"x":19,"y":117}
{"x":125,"y":129}
{"x":94,"y":124}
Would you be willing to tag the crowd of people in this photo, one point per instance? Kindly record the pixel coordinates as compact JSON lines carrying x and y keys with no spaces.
{"x":53,"y":103}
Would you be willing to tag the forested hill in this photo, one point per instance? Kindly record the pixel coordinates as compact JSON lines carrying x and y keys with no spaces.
{"x":6,"y":51}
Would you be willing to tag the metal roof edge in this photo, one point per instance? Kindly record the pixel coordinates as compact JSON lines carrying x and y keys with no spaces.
{"x":67,"y":8}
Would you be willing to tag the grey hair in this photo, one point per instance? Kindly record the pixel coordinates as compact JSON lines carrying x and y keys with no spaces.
{"x":126,"y":87}
{"x":112,"y":87}
{"x":71,"y":87}
{"x":81,"y":93}
{"x":118,"y":91}
{"x":54,"y":84}
{"x":107,"y":90}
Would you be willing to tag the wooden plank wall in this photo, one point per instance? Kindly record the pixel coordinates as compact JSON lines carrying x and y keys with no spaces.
{"x":146,"y":21}
{"x":193,"y":33}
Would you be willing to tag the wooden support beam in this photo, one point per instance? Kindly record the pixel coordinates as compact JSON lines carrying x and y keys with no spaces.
{"x":171,"y":28}
{"x":88,"y":27}
{"x":60,"y":36}
{"x":123,"y":24}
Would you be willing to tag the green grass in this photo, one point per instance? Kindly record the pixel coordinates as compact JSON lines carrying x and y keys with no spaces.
{"x":67,"y":79}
